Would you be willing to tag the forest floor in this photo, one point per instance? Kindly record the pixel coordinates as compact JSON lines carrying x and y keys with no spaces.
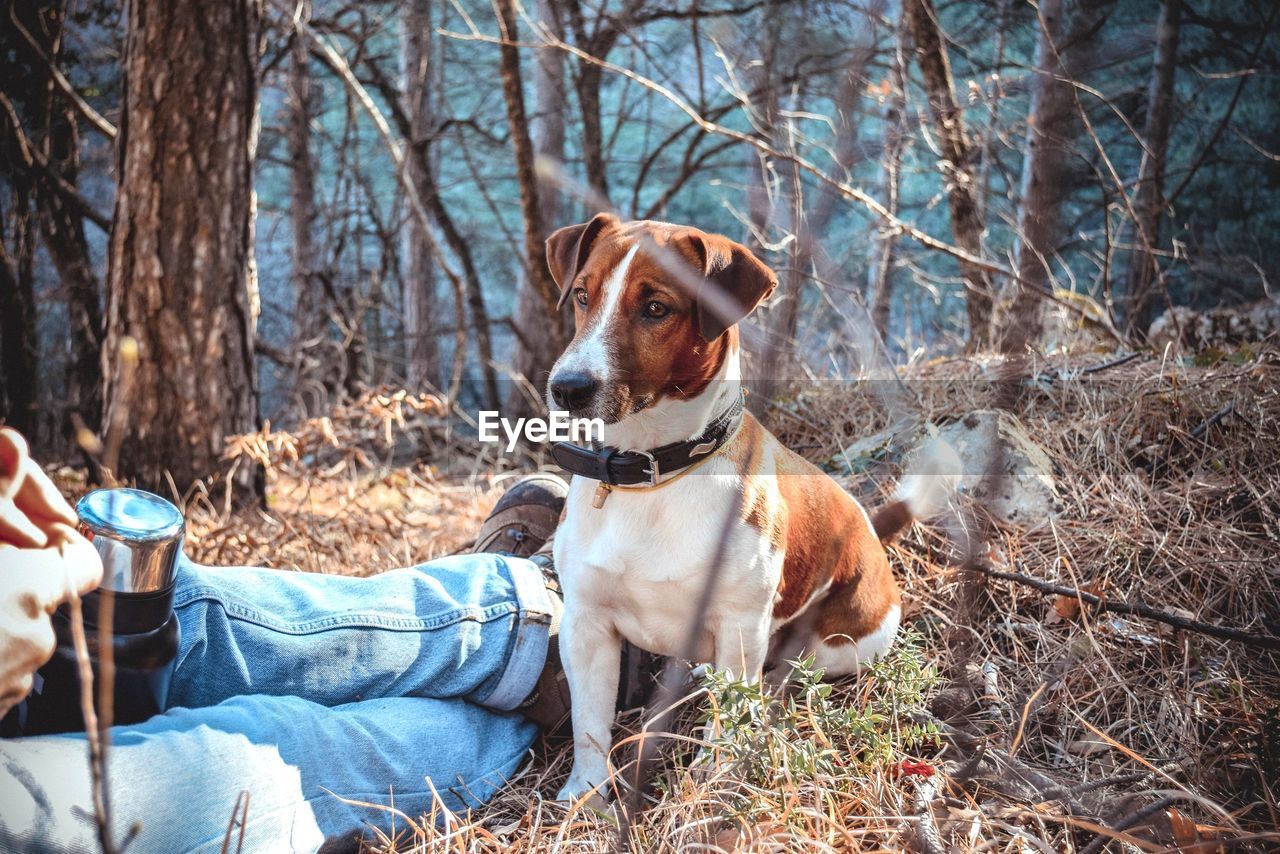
{"x":1009,"y":719}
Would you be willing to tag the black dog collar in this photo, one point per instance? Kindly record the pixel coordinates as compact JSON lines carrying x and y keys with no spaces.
{"x":643,"y":468}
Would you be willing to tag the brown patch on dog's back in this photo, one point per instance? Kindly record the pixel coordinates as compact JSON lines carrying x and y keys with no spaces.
{"x":759,"y":491}
{"x":827,"y":539}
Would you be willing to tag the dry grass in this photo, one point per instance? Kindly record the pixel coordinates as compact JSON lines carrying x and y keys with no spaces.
{"x":1062,"y":721}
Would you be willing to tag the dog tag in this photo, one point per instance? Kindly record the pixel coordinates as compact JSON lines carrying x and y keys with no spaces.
{"x":602,"y":492}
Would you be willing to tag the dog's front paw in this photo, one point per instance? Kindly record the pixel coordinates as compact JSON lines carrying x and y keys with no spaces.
{"x":578,"y":787}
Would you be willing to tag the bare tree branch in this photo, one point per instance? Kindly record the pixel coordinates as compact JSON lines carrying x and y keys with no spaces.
{"x":36,"y":160}
{"x":843,"y":187}
{"x":91,"y":115}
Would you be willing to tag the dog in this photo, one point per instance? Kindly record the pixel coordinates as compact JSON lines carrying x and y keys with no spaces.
{"x":689,"y":483}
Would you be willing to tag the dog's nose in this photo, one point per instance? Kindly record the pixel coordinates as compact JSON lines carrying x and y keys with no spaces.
{"x":573,"y":390}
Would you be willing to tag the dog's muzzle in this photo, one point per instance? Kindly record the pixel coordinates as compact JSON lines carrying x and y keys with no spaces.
{"x":574,"y":391}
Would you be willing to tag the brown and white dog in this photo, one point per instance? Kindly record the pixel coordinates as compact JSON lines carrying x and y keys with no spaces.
{"x":657,"y":363}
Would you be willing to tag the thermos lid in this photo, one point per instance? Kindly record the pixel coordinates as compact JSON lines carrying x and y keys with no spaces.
{"x":138,"y":534}
{"x":130,"y":514}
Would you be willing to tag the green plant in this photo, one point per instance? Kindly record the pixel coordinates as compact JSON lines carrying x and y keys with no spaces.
{"x":813,"y":729}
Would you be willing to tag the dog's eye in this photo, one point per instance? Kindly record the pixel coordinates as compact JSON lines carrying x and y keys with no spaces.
{"x":580,"y":296}
{"x":655,"y":309}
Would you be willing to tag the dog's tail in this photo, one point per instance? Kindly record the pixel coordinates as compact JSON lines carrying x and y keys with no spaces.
{"x":933,"y":474}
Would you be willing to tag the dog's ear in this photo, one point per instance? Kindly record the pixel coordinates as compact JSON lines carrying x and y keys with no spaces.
{"x":568,"y":248}
{"x":734,"y":282}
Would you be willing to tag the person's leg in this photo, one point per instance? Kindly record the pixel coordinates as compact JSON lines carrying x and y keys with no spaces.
{"x":472,"y":626}
{"x":293,"y":766}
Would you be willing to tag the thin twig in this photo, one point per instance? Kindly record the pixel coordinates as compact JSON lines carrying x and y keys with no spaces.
{"x":106,"y":696}
{"x":94,"y":118}
{"x":927,"y":834}
{"x":1227,"y":114}
{"x":84,"y":668}
{"x":1127,"y":822}
{"x":1052,"y":376}
{"x":1157,"y":466}
{"x":329,"y":55}
{"x":36,"y":160}
{"x":239,"y":819}
{"x":1203,"y":427}
{"x":892,"y":222}
{"x":1249,"y":638}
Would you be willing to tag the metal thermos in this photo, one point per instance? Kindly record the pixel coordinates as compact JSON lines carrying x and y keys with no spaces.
{"x":139,"y":536}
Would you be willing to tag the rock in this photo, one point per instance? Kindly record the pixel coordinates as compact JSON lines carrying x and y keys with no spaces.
{"x":1217,"y":327}
{"x":1027,"y":492}
{"x":887,"y":445}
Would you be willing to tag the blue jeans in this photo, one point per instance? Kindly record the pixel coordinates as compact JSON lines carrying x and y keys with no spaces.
{"x":324,"y":700}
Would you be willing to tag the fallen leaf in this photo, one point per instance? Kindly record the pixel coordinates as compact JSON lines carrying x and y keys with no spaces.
{"x":1184,"y":829}
{"x":1068,"y":607}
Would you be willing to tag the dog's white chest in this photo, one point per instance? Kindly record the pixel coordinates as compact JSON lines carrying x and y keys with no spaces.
{"x":641,"y":561}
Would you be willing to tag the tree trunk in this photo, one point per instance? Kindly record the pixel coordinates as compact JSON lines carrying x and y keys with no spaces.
{"x":535,"y":350}
{"x":550,"y":108}
{"x":845,"y":147}
{"x":43,"y":159}
{"x":181,"y":276}
{"x":1144,"y":264}
{"x":990,"y":145}
{"x":308,"y":313}
{"x":1062,"y":45}
{"x":418,"y":288}
{"x":760,"y":192}
{"x":895,"y":138}
{"x":597,"y":42}
{"x":62,"y":225}
{"x":590,"y":76}
{"x":467,"y":288}
{"x":957,"y":163}
{"x":64,"y":237}
{"x":782,"y":352}
{"x":778,"y":320}
{"x":809,"y":257}
{"x":472,"y":291}
{"x":19,"y":344}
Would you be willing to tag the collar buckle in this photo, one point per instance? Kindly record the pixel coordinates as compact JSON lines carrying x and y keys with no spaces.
{"x":652,"y":470}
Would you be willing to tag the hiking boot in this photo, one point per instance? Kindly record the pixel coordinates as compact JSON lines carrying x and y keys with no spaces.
{"x":522,"y":524}
{"x":524,"y":518}
{"x":549,"y":703}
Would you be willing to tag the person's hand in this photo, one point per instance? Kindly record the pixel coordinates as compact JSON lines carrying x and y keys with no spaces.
{"x":43,"y":560}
